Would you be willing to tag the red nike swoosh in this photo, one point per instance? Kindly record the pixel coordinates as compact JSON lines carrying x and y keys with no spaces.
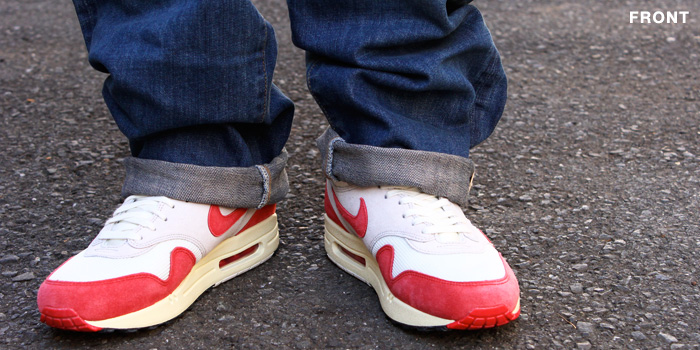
{"x":219,"y":223}
{"x":358,"y":221}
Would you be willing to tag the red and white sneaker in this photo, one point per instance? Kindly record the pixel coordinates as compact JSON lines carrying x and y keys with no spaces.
{"x":430,"y":267}
{"x":152,"y":260}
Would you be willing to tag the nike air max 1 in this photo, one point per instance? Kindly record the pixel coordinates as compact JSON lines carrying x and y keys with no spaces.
{"x":152,"y":260}
{"x":430,"y":267}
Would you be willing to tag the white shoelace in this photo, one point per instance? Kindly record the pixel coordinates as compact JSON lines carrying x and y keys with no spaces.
{"x":136,"y":212}
{"x":433,"y":212}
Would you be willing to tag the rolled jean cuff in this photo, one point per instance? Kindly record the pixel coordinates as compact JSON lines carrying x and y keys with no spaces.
{"x":438,"y":174}
{"x":244,"y":187}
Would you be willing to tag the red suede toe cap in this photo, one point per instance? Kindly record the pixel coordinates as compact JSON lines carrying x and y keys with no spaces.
{"x":100,"y":300}
{"x":447,"y":299}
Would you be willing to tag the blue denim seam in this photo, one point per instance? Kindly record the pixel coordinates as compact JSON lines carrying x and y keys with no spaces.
{"x":266,"y":101}
{"x":485,"y":75}
{"x":265,"y":174}
{"x":311,"y":90}
{"x":87,"y":21}
{"x":329,"y":165}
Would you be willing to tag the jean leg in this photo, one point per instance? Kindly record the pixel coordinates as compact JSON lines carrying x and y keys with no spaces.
{"x":190,"y":85}
{"x":420,"y":75}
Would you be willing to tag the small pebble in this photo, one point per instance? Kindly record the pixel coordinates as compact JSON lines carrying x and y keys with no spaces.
{"x":637,"y":335}
{"x":525,"y":198}
{"x":584,"y":346}
{"x":576,"y":288}
{"x":226,"y":318}
{"x":586,"y":328}
{"x":580,"y":267}
{"x":27,"y":276}
{"x":9,"y":259}
{"x":606,"y":326}
{"x":662,"y":277}
{"x":668,"y":338}
{"x":95,"y":221}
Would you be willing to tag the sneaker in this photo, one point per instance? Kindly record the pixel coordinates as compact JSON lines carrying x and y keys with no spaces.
{"x":152,"y":260}
{"x":430,"y":267}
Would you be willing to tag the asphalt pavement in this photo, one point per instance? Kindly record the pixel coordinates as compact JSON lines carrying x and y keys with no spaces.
{"x":589,"y":187}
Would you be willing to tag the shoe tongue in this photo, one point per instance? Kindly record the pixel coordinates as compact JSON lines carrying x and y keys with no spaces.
{"x":113,"y":242}
{"x":448,"y":237}
{"x":124,"y":225}
{"x":425,"y":200}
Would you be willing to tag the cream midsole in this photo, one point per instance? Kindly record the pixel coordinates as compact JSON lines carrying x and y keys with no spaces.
{"x":205,"y":274}
{"x":336,"y":237}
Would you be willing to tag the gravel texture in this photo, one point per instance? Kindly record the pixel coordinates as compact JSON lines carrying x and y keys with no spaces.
{"x":589,"y":187}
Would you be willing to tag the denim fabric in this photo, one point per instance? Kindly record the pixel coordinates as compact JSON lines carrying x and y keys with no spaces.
{"x":362,"y":165}
{"x":415,"y":74}
{"x":190,"y":81}
{"x":235,"y":187}
{"x":408,"y":86}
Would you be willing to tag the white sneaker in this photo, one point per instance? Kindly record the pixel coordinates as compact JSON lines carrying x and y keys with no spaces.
{"x":152,"y":260}
{"x":430,"y":267}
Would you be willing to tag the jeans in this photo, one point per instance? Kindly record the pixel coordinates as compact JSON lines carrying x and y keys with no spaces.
{"x":408,"y":87}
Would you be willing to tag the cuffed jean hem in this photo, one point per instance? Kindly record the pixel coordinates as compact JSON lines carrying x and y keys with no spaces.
{"x":438,"y":174}
{"x":244,"y":187}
